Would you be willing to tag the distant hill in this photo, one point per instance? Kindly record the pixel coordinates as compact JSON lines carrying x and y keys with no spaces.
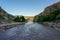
{"x":48,"y":10}
{"x":5,"y":17}
{"x":29,"y":18}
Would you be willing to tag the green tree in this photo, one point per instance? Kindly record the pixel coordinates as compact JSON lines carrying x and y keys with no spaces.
{"x":19,"y":19}
{"x":22,"y":18}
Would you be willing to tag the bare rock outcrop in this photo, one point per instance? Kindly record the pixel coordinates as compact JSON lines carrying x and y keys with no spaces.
{"x":5,"y":17}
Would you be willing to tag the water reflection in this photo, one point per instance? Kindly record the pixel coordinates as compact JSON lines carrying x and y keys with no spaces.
{"x":11,"y":31}
{"x":23,"y":30}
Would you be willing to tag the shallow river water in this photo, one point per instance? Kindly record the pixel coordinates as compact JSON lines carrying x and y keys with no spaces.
{"x":30,"y":31}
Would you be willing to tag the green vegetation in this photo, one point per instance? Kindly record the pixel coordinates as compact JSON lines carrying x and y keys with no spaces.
{"x":58,"y":17}
{"x":55,"y":15}
{"x":19,"y":19}
{"x":1,"y":17}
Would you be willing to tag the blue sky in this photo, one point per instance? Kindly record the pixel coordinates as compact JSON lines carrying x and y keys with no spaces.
{"x":25,"y":7}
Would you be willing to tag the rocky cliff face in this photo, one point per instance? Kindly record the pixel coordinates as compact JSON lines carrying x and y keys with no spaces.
{"x":5,"y":17}
{"x":48,"y":10}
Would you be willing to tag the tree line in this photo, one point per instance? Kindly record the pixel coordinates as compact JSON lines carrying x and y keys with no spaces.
{"x":19,"y":19}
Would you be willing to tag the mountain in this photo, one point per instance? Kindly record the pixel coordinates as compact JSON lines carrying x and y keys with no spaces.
{"x":5,"y":17}
{"x":48,"y":10}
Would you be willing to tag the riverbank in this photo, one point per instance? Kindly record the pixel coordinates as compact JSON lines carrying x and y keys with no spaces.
{"x":55,"y":24}
{"x":10,"y":25}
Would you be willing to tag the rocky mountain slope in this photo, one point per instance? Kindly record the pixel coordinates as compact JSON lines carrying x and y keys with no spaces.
{"x":48,"y":10}
{"x":5,"y":17}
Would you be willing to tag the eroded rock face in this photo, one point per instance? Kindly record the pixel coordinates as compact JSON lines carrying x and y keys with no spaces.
{"x":48,"y":9}
{"x":5,"y":17}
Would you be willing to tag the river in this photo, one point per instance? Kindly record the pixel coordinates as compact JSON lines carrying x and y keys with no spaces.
{"x":30,"y":31}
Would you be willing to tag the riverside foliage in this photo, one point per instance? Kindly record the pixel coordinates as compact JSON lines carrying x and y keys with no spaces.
{"x":55,"y":15}
{"x":19,"y":19}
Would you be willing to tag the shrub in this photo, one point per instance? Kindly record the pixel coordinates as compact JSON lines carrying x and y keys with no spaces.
{"x":51,"y":17}
{"x":19,"y":19}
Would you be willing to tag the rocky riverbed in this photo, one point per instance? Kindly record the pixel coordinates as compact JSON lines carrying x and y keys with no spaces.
{"x":55,"y":24}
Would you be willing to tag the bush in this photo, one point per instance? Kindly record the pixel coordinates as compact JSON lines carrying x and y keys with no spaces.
{"x":19,"y":19}
{"x":1,"y":17}
{"x":51,"y":17}
{"x":58,"y":17}
{"x":22,"y":18}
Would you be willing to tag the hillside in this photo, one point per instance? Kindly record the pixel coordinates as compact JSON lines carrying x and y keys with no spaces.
{"x":48,"y":10}
{"x":5,"y":17}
